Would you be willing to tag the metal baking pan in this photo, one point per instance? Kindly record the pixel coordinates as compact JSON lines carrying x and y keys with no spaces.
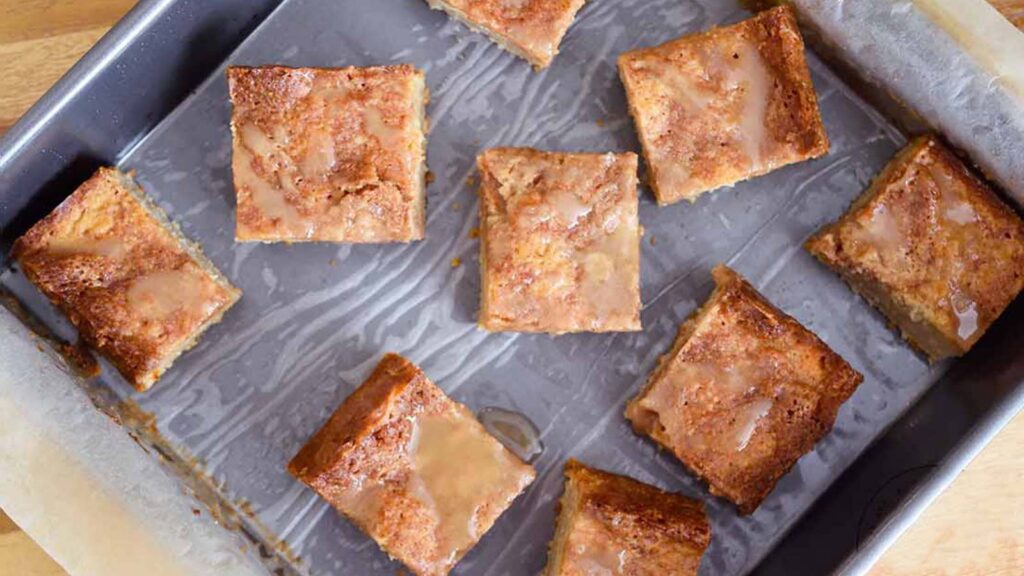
{"x":151,"y":97}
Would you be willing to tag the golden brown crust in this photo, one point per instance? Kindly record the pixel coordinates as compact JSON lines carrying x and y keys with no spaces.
{"x":395,"y":384}
{"x":613,"y":524}
{"x":932,"y":246}
{"x":133,"y":287}
{"x":360,"y":461}
{"x":718,"y":107}
{"x":530,"y":29}
{"x":561,"y":241}
{"x":328,"y":154}
{"x":744,"y":393}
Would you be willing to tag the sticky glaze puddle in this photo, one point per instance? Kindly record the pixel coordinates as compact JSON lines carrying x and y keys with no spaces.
{"x":514,"y":431}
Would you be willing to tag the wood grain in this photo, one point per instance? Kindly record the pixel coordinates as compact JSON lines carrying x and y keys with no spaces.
{"x":37,"y":64}
{"x":32,"y":19}
{"x":976,"y":527}
{"x":1012,"y":9}
{"x":19,"y":554}
{"x":6,"y":524}
{"x":40,"y":40}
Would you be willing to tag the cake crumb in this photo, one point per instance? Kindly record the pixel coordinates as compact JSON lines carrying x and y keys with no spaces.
{"x":429,"y":177}
{"x":456,"y":262}
{"x":80,"y":359}
{"x":474,"y":233}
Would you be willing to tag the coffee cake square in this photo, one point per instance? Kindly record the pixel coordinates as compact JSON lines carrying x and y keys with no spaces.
{"x":722,"y":106}
{"x":530,"y":29}
{"x":136,"y":290}
{"x":329,"y":154}
{"x":743,"y":394}
{"x":932,"y":247}
{"x":561,"y":241}
{"x":411,"y":468}
{"x":611,"y":524}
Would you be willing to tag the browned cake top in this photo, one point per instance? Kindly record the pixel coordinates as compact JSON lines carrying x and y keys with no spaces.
{"x":622,"y":526}
{"x":328,"y":154}
{"x":412,"y":468}
{"x":530,"y":28}
{"x":724,"y":105}
{"x":561,"y":241}
{"x":936,"y":238}
{"x":129,"y":284}
{"x":745,"y":392}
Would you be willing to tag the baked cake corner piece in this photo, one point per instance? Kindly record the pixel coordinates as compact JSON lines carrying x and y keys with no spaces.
{"x":137,"y":291}
{"x":560,"y":241}
{"x":744,"y":392}
{"x":932,"y":247}
{"x":718,"y":107}
{"x":413,"y":469}
{"x":329,"y":154}
{"x":530,"y":29}
{"x":612,"y":524}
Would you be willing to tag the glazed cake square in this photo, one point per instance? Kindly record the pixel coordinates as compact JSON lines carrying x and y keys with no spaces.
{"x":722,"y":106}
{"x":932,"y":247}
{"x":561,"y":241}
{"x":743,"y":394}
{"x":611,"y":524}
{"x":136,"y":290}
{"x":530,"y":29}
{"x":411,"y":468}
{"x":328,"y":154}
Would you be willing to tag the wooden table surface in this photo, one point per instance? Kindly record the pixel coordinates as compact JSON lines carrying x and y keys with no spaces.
{"x":975,"y":528}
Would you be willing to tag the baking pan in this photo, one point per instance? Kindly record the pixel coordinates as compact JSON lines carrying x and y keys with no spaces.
{"x":316,"y":318}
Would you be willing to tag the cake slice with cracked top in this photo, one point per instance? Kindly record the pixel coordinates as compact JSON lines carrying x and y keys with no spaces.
{"x":932,"y":247}
{"x":329,"y":154}
{"x":744,"y":392}
{"x":612,"y":524}
{"x":530,"y":29}
{"x":560,"y":247}
{"x":722,"y":106}
{"x":411,"y":468}
{"x":133,"y":286}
